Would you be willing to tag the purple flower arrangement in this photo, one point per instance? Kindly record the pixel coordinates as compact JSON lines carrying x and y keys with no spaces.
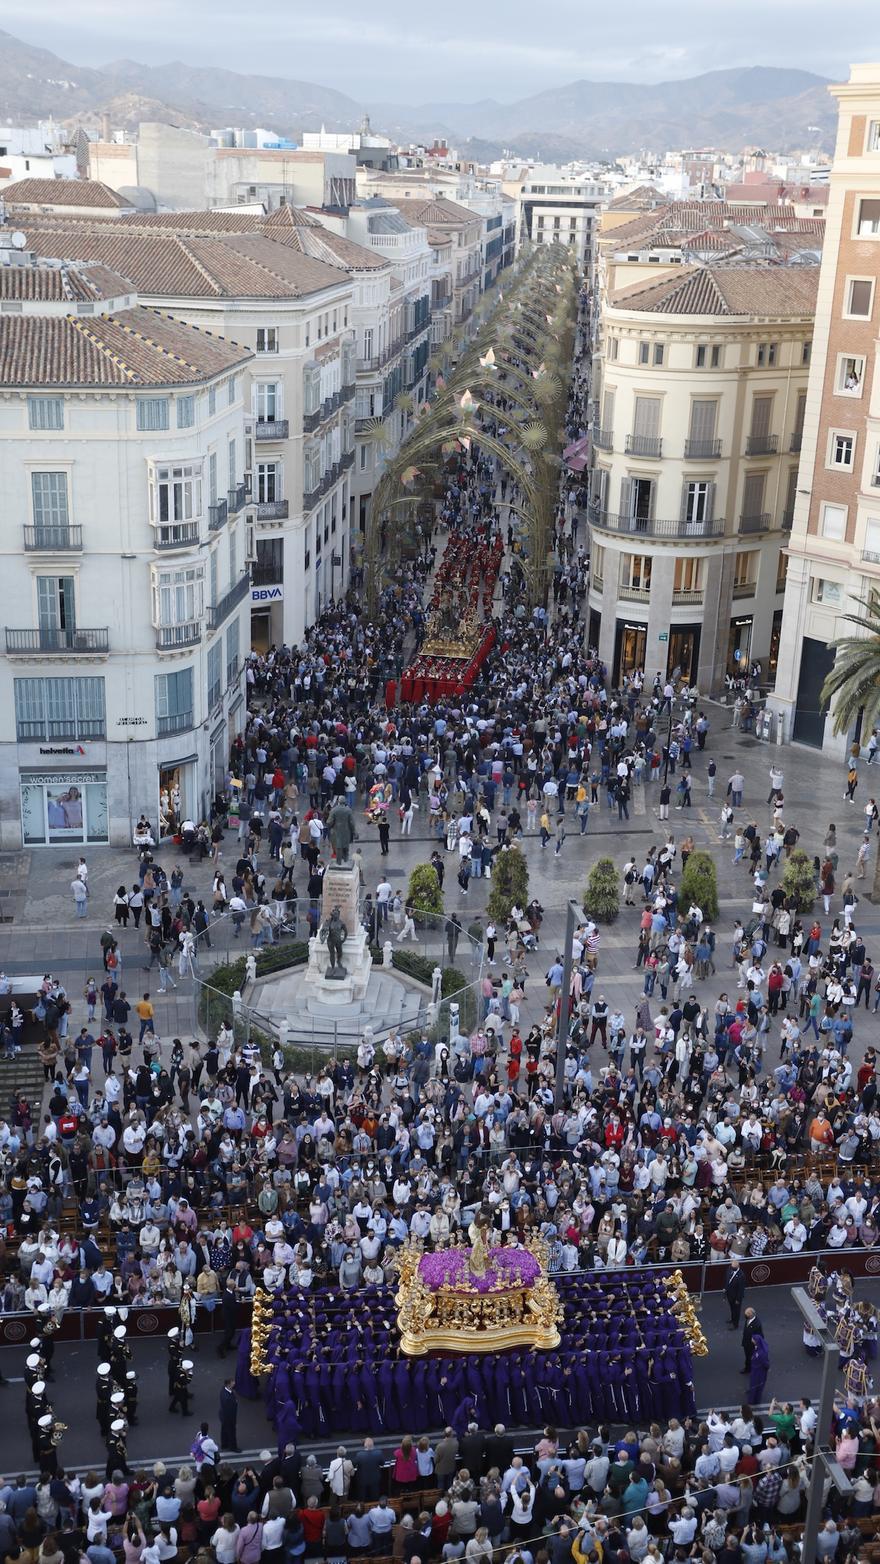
{"x":508,"y":1268}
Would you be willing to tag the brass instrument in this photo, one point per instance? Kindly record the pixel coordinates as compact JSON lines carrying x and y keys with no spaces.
{"x":59,"y":1429}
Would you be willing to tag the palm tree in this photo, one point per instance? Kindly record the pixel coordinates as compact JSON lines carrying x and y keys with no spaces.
{"x":854,"y":683}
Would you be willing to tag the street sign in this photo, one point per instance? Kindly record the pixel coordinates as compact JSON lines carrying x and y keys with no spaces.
{"x":663,"y":636}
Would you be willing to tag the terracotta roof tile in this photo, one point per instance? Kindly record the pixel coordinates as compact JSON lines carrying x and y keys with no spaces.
{"x":727,"y":291}
{"x":62,"y":192}
{"x":136,"y":347}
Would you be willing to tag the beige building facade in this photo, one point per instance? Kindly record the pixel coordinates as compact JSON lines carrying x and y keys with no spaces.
{"x":834,"y":549}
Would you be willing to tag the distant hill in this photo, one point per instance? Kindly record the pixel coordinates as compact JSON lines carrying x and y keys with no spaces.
{"x":748,"y":106}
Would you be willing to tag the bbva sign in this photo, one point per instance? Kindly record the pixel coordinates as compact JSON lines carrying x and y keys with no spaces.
{"x":273,"y":594}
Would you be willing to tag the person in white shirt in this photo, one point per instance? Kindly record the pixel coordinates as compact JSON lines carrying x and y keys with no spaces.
{"x":795,"y":1235}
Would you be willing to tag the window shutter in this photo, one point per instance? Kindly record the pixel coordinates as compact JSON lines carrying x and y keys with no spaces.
{"x":710,"y":502}
{"x":608,"y":411}
{"x":652,"y":500}
{"x":753,"y":493}
{"x":646,"y":421}
{"x":626,"y":496}
{"x":703,"y":416}
{"x":683,"y":508}
{"x":799,"y":415}
{"x":761,"y":410}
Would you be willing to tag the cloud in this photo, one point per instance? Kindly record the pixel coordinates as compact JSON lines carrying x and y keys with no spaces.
{"x":503,"y":49}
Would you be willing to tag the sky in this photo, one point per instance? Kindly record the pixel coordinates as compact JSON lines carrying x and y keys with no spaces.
{"x":503,"y":49}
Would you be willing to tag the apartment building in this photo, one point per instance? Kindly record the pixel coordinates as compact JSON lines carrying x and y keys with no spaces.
{"x":834,"y":548}
{"x":128,"y":606}
{"x":481,"y":195}
{"x":700,"y":382}
{"x":35,"y":197}
{"x":293,"y":312}
{"x":557,"y":208}
{"x":456,"y":234}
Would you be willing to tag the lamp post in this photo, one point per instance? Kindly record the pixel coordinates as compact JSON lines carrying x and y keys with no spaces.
{"x":823,"y":1461}
{"x":573,"y":917}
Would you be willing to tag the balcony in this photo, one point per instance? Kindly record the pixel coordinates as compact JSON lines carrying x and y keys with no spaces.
{"x":171,"y":638}
{"x":237,"y":498}
{"x":631,"y":594}
{"x":24,"y":643}
{"x":272,"y":510}
{"x":744,"y":588}
{"x":702,"y":450}
{"x":652,"y":527}
{"x":217,"y":515}
{"x":180,"y":534}
{"x":271,"y":429}
{"x":346,"y":460}
{"x":762,"y":444}
{"x":796,"y":440}
{"x":177,"y":722}
{"x":53,"y":539}
{"x":223,"y":608}
{"x":755,"y":523}
{"x":690,"y":596}
{"x":870,"y":556}
{"x":603,"y":439}
{"x":312,"y":420}
{"x":643,"y":445}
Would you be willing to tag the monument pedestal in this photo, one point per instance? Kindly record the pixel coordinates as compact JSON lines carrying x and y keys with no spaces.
{"x":342,"y":890}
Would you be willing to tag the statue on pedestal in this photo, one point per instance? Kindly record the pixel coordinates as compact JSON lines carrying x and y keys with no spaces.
{"x":478,"y":1262}
{"x":334,"y":934}
{"x":341,"y":830}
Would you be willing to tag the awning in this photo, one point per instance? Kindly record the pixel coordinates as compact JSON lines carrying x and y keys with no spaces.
{"x":577,"y":455}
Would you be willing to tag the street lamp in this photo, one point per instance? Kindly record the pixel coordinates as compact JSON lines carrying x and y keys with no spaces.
{"x":823,"y":1461}
{"x":574,"y":916}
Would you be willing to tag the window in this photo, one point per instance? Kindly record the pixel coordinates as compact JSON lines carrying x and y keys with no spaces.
{"x":597,"y":564}
{"x":215,"y":675}
{"x":850,"y":374}
{"x":267,"y":401}
{"x":716,"y":355}
{"x":859,"y":298}
{"x":231,"y":464}
{"x":700,"y":358}
{"x":311,"y":468}
{"x":688,"y":575}
{"x":175,"y":494}
{"x":49,"y":493}
{"x":267,"y":339}
{"x":745,"y":567}
{"x":212,"y":401}
{"x":841,"y":450}
{"x":807,"y":351}
{"x":644,"y":352}
{"x":766,"y":355}
{"x":311,"y":389}
{"x":875,"y":472}
{"x":174,"y":701}
{"x":868,"y":225}
{"x":659,"y":351}
{"x":873,"y":141}
{"x":186,"y":412}
{"x":833,"y":523}
{"x":635,"y":572}
{"x":308,"y":549}
{"x":55,"y":603}
{"x":697,"y":502}
{"x":178,"y":595}
{"x":872,"y":539}
{"x":781,"y":570}
{"x":232,"y":645}
{"x":269,"y":486}
{"x":152,"y":413}
{"x":59,"y":709}
{"x":232,"y":389}
{"x":45,"y":412}
{"x":830,"y":593}
{"x":613,"y":347}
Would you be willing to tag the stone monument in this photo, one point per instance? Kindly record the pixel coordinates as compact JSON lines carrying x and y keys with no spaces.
{"x":339,"y":962}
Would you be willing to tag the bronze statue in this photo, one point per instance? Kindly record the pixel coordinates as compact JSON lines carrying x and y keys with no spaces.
{"x":341,"y":830}
{"x":334,"y":934}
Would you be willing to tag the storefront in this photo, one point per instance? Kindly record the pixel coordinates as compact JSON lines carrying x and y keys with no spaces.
{"x":59,"y":807}
{"x":629,"y":650}
{"x":177,"y":799}
{"x":739,"y":646}
{"x":684,"y":652}
{"x":266,"y":626}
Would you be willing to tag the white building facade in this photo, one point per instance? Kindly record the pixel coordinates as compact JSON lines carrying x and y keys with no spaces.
{"x":128,"y":619}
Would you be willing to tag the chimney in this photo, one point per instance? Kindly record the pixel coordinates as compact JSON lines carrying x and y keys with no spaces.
{"x":105,"y":127}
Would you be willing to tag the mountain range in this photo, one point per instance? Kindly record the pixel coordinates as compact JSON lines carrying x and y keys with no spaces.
{"x":748,"y":106}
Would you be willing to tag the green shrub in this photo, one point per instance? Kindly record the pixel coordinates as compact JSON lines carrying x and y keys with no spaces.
{"x":699,"y":884}
{"x":602,"y":895}
{"x":510,"y":884}
{"x":799,"y":880}
{"x":424,"y":890}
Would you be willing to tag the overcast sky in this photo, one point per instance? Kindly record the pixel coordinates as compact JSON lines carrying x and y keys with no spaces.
{"x":502,"y":49}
